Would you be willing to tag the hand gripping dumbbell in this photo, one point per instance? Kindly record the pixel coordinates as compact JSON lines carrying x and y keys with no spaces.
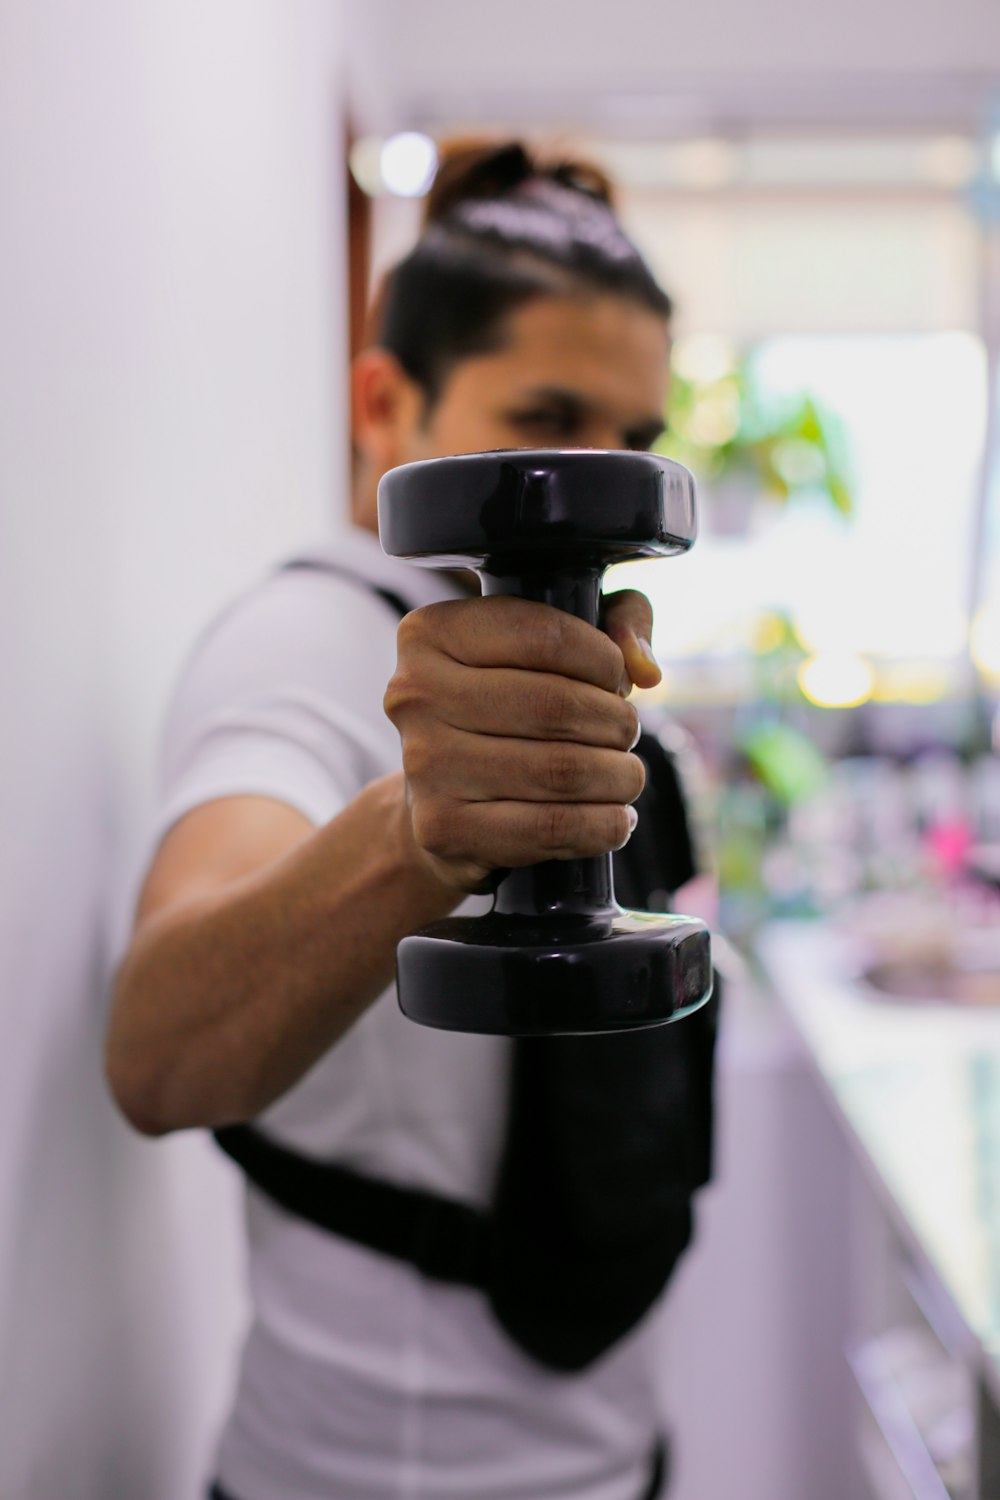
{"x":556,"y":954}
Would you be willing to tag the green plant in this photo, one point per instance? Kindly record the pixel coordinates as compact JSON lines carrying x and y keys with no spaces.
{"x":728,"y":427}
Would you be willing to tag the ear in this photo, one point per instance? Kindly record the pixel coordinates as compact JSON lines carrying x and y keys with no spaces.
{"x":386,"y":409}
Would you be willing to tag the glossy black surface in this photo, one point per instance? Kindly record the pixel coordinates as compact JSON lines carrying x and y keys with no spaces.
{"x":528,"y":507}
{"x":556,"y":954}
{"x":550,"y":975}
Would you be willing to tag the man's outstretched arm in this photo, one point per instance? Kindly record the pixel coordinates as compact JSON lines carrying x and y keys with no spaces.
{"x":260,"y":939}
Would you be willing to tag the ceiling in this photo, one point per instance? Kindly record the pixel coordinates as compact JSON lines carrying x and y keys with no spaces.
{"x":636,"y":68}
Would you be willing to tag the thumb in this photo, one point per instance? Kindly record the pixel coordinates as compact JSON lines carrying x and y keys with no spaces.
{"x":627,"y":617}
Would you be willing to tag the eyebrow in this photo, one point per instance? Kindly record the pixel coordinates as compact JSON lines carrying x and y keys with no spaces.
{"x":554,"y":395}
{"x":644,"y":432}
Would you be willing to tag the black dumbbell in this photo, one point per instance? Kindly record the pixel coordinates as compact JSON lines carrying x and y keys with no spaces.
{"x":556,"y":954}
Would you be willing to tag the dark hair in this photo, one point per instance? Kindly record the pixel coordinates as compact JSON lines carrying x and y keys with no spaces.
{"x":500,"y":229}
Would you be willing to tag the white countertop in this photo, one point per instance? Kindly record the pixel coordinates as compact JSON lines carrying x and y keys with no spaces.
{"x":918,"y":1088}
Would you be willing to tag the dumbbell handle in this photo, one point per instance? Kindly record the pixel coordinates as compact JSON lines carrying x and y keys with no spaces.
{"x":563,"y":886}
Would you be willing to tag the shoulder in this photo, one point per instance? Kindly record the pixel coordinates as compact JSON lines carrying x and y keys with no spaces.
{"x":282,"y":697}
{"x":299,"y":624}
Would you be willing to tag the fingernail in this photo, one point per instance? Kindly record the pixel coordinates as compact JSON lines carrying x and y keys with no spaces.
{"x":633,"y":818}
{"x":647,"y":651}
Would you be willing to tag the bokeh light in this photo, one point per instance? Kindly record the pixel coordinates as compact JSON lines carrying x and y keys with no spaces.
{"x":836,"y":679}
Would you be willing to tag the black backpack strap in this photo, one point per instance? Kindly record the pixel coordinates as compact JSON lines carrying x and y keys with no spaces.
{"x":395,"y":601}
{"x":317,"y":565}
{"x":445,"y":1239}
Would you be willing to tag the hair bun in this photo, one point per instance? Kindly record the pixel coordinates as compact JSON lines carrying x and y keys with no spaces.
{"x":477,"y":169}
{"x":583,"y":177}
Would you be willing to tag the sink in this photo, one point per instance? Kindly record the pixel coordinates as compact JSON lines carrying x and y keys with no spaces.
{"x":938,"y":981}
{"x":922,"y":950}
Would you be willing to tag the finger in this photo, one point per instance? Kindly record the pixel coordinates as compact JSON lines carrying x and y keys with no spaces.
{"x":506,"y":632}
{"x":628,"y":620}
{"x":471,"y":767}
{"x":512,"y":834}
{"x":509,"y":703}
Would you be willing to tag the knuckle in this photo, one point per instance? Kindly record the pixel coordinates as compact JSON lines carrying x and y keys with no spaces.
{"x":612,"y":664}
{"x":550,"y":630}
{"x":434,"y":826}
{"x":409,"y":625}
{"x":628,"y":725}
{"x":554,"y":709}
{"x":422,"y":628}
{"x":391,"y":698}
{"x":557,"y":825}
{"x":430,"y":619}
{"x":403,"y":691}
{"x":564,"y":773}
{"x":637,"y":776}
{"x":606,"y":650}
{"x":618,"y":828}
{"x":410,"y":630}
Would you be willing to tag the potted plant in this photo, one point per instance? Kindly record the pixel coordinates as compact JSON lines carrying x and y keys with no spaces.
{"x":752,"y":450}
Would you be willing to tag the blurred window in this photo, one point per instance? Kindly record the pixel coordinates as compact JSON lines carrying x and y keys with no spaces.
{"x":853,"y":273}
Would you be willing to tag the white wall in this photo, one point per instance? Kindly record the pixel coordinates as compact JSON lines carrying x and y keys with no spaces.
{"x":171,"y":417}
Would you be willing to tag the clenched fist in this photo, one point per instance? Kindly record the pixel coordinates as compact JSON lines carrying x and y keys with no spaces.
{"x":516,"y":732}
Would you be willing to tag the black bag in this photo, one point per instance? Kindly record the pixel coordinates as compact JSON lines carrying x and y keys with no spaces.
{"x":608,"y":1138}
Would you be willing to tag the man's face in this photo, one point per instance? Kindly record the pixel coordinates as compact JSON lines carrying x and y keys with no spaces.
{"x":573,"y":372}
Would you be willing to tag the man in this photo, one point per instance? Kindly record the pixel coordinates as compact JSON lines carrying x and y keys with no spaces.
{"x":303,"y":835}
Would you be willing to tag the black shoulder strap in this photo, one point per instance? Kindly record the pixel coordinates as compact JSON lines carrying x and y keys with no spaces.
{"x":322,"y":565}
{"x":445,"y":1239}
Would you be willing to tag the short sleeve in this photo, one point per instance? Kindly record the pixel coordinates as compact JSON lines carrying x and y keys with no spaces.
{"x":282,"y":698}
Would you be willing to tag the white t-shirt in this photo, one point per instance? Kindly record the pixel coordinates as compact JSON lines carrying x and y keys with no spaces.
{"x":362,"y":1380}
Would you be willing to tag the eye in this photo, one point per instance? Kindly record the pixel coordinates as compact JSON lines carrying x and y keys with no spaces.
{"x":643,"y":438}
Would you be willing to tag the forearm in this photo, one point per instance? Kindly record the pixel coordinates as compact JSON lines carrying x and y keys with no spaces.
{"x":222,"y":1003}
